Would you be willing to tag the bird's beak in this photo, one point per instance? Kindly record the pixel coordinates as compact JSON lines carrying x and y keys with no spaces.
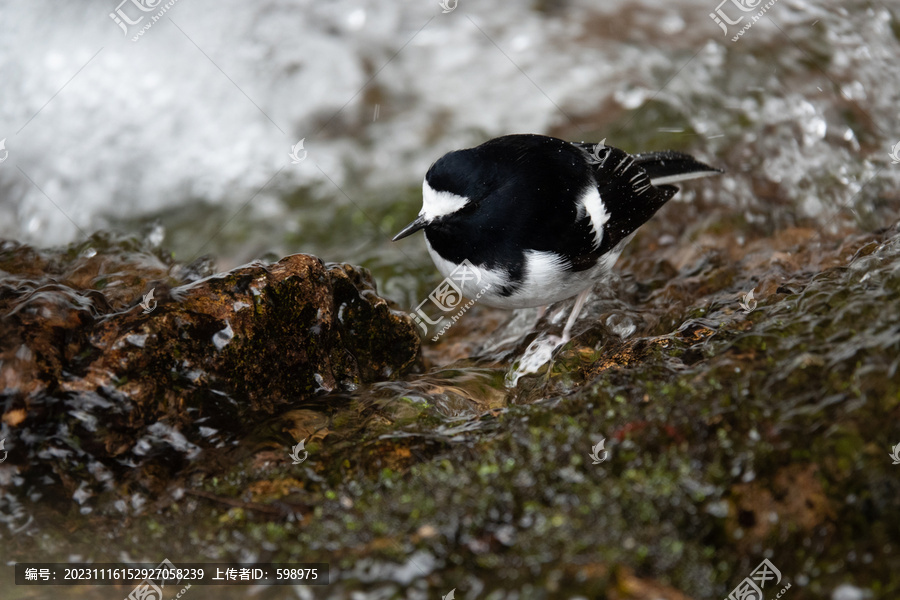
{"x":410,"y":229}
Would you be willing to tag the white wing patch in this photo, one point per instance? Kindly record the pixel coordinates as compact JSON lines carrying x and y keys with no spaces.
{"x":437,"y":204}
{"x":591,"y":203}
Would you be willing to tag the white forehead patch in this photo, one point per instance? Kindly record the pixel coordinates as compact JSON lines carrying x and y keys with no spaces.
{"x":591,"y":203}
{"x":437,"y":204}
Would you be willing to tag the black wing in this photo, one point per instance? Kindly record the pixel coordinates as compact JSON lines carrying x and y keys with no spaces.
{"x":626,"y":191}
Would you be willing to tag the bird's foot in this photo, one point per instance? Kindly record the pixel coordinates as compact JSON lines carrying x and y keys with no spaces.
{"x":558,"y":340}
{"x":538,"y":353}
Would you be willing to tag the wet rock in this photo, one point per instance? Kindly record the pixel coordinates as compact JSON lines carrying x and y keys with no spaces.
{"x":88,"y":373}
{"x":273,"y":334}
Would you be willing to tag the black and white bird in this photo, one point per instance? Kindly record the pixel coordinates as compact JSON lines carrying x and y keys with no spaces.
{"x":539,"y":218}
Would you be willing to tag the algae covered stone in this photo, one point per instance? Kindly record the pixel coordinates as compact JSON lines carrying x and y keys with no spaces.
{"x":88,"y":372}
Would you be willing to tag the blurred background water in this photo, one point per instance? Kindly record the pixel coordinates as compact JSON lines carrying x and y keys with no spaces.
{"x":191,"y":125}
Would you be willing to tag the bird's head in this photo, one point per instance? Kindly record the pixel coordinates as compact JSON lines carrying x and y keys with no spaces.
{"x":483,"y":191}
{"x":451,"y":192}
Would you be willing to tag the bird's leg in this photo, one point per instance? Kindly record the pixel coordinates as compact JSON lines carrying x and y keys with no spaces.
{"x":542,"y":310}
{"x":573,"y":316}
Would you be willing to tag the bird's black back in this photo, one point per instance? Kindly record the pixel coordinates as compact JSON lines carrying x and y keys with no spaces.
{"x":524,"y":191}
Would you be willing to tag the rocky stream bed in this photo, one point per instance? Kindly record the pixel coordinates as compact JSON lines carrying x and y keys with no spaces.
{"x":138,"y":428}
{"x":732,"y":435}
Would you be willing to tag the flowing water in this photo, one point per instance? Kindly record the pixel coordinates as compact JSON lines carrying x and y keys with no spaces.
{"x":737,"y":429}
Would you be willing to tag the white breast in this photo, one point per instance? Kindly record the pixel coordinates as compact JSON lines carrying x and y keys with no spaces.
{"x":545,"y":280}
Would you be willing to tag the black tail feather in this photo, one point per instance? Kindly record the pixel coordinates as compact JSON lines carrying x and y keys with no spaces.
{"x":669,"y":166}
{"x":633,"y":187}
